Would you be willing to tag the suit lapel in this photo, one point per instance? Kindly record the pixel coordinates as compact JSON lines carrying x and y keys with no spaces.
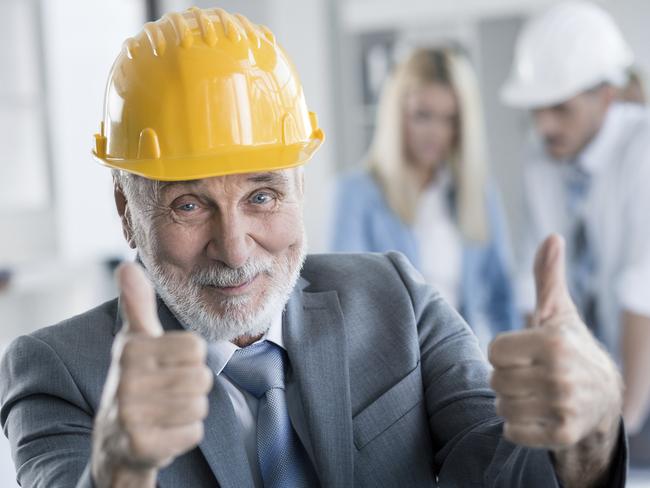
{"x":316,"y":344}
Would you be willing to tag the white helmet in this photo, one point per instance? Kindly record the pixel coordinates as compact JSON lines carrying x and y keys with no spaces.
{"x":564,"y":51}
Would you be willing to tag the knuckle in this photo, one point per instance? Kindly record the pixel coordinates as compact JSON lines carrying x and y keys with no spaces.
{"x":133,"y":351}
{"x":564,"y":435}
{"x":565,"y":414}
{"x":557,"y":368}
{"x":127,"y":386}
{"x":126,"y":415}
{"x":206,"y":379}
{"x":557,"y":385}
{"x":197,"y":346}
{"x":203,"y":407}
{"x":554,"y":375}
{"x":130,"y":353}
{"x":555,"y":343}
{"x":495,"y":348}
{"x":139,"y":445}
{"x":562,"y":382}
{"x":197,"y":408}
{"x":196,"y":433}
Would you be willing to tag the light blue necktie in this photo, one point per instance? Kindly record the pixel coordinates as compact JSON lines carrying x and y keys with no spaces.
{"x":582,"y":262}
{"x":259,"y":369}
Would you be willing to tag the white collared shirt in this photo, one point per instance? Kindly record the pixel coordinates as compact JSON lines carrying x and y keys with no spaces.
{"x":439,"y":241}
{"x":243,"y":403}
{"x":616,"y":213}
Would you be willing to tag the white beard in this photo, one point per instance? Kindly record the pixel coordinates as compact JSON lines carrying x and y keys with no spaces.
{"x":237,"y":318}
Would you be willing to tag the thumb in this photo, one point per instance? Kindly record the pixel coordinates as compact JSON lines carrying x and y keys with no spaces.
{"x":138,"y":301}
{"x":550,"y":280}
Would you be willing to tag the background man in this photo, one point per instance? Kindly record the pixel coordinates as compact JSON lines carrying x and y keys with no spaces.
{"x":258,"y":366}
{"x":586,"y":177}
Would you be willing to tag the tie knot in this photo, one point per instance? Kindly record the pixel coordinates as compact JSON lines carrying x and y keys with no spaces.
{"x":257,"y":368}
{"x":578,"y":181}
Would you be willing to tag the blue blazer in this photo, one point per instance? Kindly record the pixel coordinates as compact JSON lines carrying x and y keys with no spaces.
{"x":364,"y":222}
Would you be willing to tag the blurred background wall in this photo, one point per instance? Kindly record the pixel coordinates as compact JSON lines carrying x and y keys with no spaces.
{"x":59,"y":232}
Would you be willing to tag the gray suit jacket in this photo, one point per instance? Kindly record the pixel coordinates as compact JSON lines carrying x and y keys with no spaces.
{"x":389,"y":384}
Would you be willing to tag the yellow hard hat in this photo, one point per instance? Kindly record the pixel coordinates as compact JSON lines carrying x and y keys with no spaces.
{"x":204,"y":93}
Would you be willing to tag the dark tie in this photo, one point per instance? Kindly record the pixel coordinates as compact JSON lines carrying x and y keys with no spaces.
{"x":259,"y":369}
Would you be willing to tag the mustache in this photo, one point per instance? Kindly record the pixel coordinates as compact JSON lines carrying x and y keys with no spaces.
{"x":220,"y":275}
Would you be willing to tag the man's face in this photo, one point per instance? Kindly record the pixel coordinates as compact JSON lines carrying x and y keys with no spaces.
{"x":568,"y":127}
{"x":224,"y":253}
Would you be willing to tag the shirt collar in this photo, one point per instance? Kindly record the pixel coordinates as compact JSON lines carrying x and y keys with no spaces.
{"x":598,"y":152}
{"x":443,"y":181}
{"x":222,"y":351}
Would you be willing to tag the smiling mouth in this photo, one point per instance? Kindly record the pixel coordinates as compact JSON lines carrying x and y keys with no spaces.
{"x":238,"y":289}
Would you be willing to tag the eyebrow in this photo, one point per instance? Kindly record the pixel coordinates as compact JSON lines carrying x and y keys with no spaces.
{"x":272,"y":177}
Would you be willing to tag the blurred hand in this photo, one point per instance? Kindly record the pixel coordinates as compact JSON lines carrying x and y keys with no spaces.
{"x":155,"y":397}
{"x":556,"y":387}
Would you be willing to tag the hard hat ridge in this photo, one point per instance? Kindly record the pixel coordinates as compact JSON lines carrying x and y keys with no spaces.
{"x":204,"y":93}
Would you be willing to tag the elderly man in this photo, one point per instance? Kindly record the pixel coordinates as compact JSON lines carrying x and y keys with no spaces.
{"x":586,"y":177}
{"x":258,"y":366}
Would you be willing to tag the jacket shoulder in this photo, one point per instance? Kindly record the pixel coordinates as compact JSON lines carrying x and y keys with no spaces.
{"x":77,"y":342}
{"x":358,"y":271}
{"x":96,"y":322}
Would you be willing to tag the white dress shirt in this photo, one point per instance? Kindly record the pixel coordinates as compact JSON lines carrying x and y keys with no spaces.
{"x":243,"y":403}
{"x":439,"y":241}
{"x":615,"y":211}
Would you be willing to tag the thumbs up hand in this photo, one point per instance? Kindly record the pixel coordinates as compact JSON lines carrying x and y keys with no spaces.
{"x":556,"y":387}
{"x":155,"y":397}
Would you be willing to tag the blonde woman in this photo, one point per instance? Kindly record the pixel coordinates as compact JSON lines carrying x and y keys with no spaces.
{"x":425,"y":193}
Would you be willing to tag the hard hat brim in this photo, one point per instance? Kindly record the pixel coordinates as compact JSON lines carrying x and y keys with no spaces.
{"x":245,"y":159}
{"x":531,"y":97}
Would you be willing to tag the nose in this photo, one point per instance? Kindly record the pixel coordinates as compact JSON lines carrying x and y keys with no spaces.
{"x":231,"y":242}
{"x":545,"y":122}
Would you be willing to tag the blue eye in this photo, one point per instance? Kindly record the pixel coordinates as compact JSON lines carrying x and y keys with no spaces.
{"x":187,"y":207}
{"x":261,"y":198}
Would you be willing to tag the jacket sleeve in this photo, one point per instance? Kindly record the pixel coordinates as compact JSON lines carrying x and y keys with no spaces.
{"x":45,"y":417}
{"x":470,"y":449}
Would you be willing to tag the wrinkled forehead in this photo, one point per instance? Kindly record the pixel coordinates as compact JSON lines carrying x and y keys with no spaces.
{"x":287,"y":180}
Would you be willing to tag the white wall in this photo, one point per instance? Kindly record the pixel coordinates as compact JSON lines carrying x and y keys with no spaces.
{"x":304,"y":30}
{"x":633,"y":16}
{"x":82,"y":38}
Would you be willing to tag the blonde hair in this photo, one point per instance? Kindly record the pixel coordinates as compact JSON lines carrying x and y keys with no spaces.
{"x":387,"y":157}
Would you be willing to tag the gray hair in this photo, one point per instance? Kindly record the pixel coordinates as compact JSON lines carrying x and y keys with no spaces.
{"x":139,"y":191}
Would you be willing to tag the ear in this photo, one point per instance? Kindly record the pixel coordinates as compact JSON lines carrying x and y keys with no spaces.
{"x":122,"y":205}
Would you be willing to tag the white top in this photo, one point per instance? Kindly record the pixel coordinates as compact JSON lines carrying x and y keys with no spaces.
{"x":439,"y":241}
{"x":243,"y":403}
{"x":615,"y":211}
